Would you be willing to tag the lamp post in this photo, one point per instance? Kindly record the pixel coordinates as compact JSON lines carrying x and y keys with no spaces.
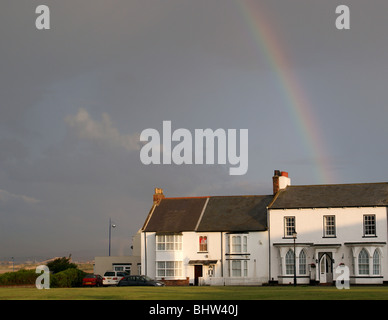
{"x":111,"y":225}
{"x":294,"y":237}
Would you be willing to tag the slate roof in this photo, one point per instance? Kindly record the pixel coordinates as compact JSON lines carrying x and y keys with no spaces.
{"x":235,"y":213}
{"x":335,"y":195}
{"x":249,"y":213}
{"x":176,"y":215}
{"x":229,"y":213}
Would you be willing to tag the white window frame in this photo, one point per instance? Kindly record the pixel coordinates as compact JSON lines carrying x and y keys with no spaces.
{"x":169,"y":269}
{"x":302,"y":262}
{"x":369,"y":225}
{"x":238,"y":244}
{"x":238,"y":268}
{"x":289,"y":262}
{"x":376,"y":263}
{"x":329,"y":226}
{"x":168,"y":242}
{"x":363,"y":262}
{"x":289,"y":226}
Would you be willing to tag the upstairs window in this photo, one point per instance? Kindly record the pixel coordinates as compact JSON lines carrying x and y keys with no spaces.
{"x":238,"y":244}
{"x":329,"y":226}
{"x":203,"y":244}
{"x":289,"y":226}
{"x":369,"y":225}
{"x":169,"y":242}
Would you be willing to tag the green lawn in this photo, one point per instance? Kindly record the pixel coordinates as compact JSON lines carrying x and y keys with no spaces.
{"x":198,"y":293}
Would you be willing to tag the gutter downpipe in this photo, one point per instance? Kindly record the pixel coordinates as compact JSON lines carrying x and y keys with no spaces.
{"x":222,"y":256}
{"x":145,"y":253}
{"x":269,"y":246}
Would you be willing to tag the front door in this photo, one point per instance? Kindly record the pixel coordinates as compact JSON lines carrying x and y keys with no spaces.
{"x":326,"y":268}
{"x":197,"y":273}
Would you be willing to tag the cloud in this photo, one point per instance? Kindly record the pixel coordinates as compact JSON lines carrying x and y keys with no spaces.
{"x":6,"y":196}
{"x":101,"y":132}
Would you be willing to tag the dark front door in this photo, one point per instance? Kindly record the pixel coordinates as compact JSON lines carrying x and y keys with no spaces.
{"x":197,"y":273}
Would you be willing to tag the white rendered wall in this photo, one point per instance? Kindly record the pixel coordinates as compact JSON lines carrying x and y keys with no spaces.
{"x":345,"y":246}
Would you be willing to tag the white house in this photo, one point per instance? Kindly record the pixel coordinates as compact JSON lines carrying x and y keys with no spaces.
{"x":251,"y":240}
{"x":335,"y":225}
{"x":206,"y":240}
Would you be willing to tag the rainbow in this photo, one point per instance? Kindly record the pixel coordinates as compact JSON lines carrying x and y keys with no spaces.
{"x":298,"y":106}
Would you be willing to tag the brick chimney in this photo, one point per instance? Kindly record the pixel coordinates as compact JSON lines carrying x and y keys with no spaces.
{"x":280,"y":180}
{"x":158,"y":195}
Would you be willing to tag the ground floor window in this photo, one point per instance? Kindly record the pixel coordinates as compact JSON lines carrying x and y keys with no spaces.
{"x":122,"y":267}
{"x":302,"y":262}
{"x":363,"y":262}
{"x":238,"y":268}
{"x":290,"y":262}
{"x":376,"y":262}
{"x":169,"y":268}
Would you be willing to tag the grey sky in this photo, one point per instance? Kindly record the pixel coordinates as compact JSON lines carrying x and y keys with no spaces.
{"x":75,"y":98}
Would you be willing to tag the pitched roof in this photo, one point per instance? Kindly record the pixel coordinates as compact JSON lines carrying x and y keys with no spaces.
{"x":176,"y":215}
{"x":228,"y":213}
{"x":235,"y":213}
{"x":335,"y":195}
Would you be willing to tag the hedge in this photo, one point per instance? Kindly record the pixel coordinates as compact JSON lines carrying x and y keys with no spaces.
{"x":65,"y":279}
{"x":21,"y":277}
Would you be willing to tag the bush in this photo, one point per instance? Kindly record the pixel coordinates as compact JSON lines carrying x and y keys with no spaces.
{"x":71,"y":277}
{"x":21,"y":277}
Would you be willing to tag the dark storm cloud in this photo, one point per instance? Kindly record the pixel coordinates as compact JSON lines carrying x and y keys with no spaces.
{"x":75,"y":98}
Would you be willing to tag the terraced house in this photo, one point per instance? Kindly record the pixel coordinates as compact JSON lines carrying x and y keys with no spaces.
{"x":298,"y":233}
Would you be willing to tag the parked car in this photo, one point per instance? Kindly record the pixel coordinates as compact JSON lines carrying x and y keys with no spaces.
{"x":94,"y":280}
{"x":113,"y":277}
{"x":139,"y":281}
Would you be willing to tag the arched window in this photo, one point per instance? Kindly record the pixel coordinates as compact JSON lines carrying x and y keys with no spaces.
{"x":302,"y":262}
{"x":376,"y":262}
{"x":363,"y":262}
{"x":290,"y":262}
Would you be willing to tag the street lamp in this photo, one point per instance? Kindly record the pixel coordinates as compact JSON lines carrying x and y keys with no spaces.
{"x":294,"y":237}
{"x":111,"y":225}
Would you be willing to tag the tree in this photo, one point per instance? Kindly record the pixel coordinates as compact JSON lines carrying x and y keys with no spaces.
{"x":60,"y":264}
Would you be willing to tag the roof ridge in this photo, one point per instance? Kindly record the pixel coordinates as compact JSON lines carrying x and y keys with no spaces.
{"x":203,"y":197}
{"x":229,"y":196}
{"x":336,"y":184}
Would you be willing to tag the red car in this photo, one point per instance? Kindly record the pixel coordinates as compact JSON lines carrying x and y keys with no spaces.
{"x":94,"y":280}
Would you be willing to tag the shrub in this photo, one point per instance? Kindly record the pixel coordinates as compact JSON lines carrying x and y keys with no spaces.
{"x":71,"y":277}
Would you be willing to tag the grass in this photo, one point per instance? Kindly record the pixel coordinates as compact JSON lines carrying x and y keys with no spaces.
{"x":198,"y":293}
